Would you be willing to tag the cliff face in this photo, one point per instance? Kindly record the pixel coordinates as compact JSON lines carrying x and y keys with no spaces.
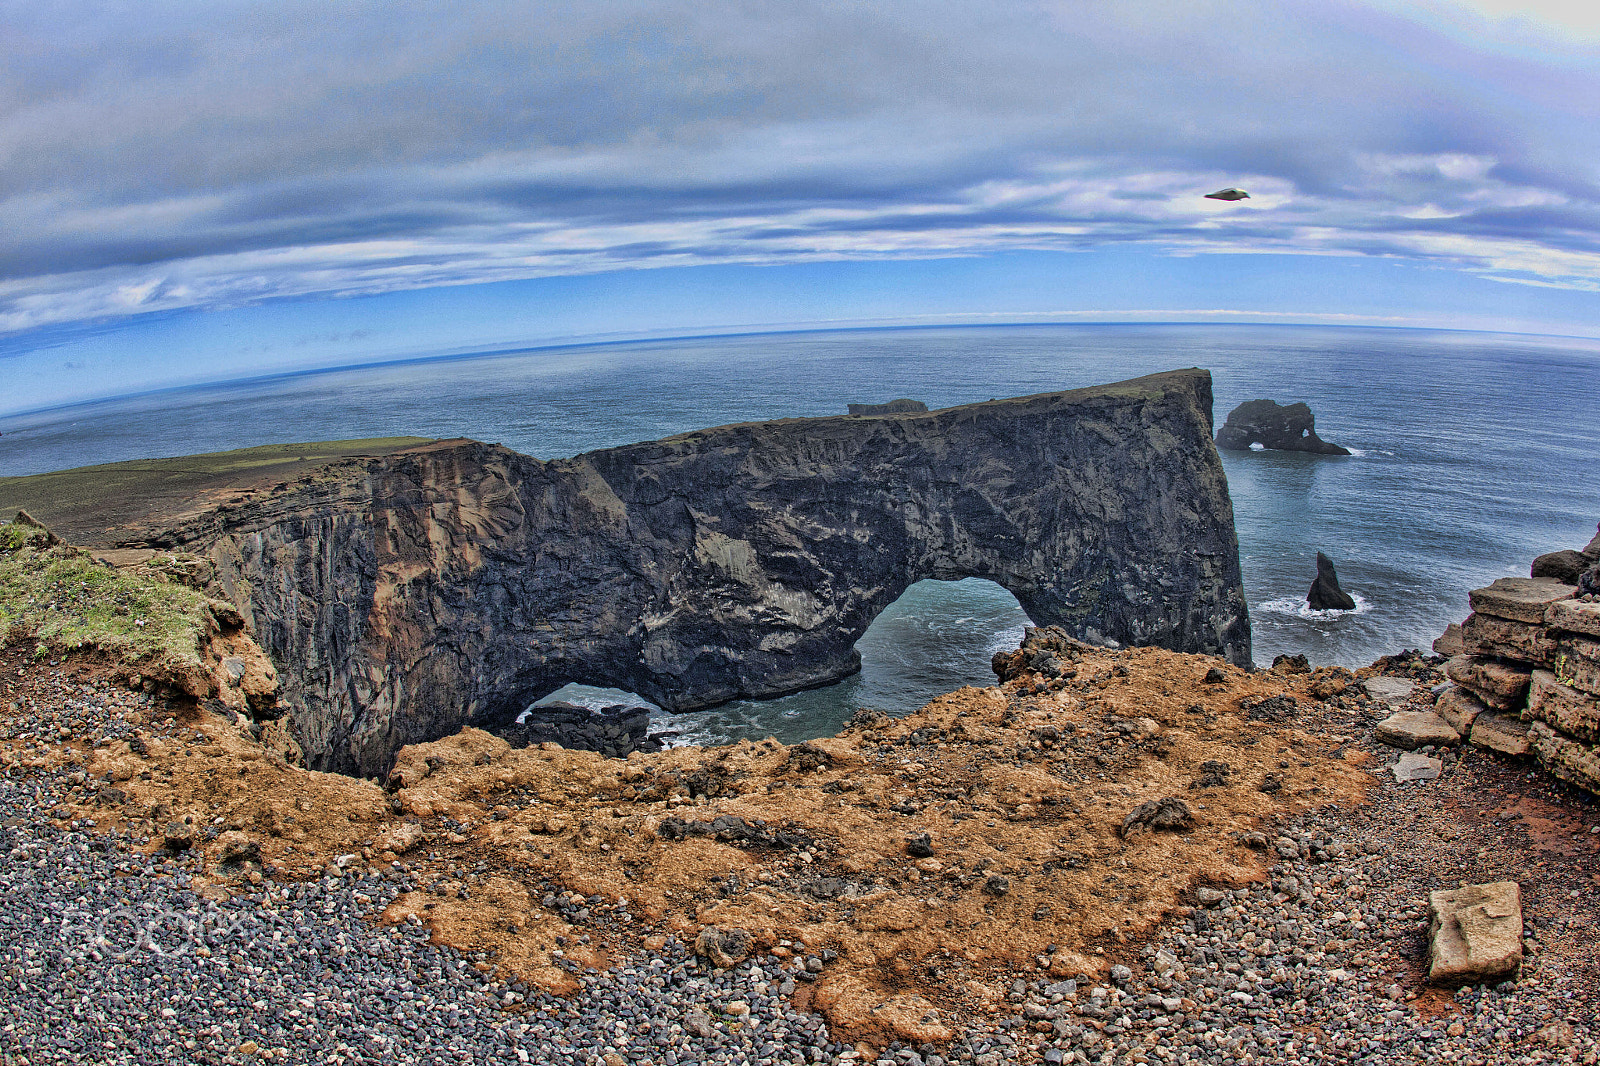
{"x":406,"y":595}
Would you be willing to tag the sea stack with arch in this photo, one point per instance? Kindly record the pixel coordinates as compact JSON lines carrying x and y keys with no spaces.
{"x":1281,"y":427}
{"x":406,"y":595}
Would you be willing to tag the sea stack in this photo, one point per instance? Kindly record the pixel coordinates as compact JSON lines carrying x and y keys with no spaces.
{"x":1325,"y":594}
{"x":1291,"y":428}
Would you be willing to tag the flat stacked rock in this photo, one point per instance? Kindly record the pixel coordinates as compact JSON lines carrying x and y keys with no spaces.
{"x":1526,"y":671}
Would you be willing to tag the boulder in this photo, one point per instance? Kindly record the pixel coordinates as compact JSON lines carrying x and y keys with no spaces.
{"x":723,"y":947}
{"x":1169,"y":812}
{"x":1460,"y":708}
{"x":1520,"y":599}
{"x":1484,"y":634}
{"x":1575,"y":763}
{"x":1475,"y":933}
{"x":1502,"y":733}
{"x":1563,"y":707}
{"x":1416,"y":729}
{"x":1325,"y":594}
{"x":1563,"y":566}
{"x":1577,"y":663}
{"x":1500,"y":685}
{"x":1571,"y":616}
{"x":1288,"y":428}
{"x":1592,"y":549}
{"x":1450,"y":643}
{"x":1416,"y":767}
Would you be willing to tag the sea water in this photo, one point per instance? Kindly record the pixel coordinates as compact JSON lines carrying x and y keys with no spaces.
{"x":1473,"y":453}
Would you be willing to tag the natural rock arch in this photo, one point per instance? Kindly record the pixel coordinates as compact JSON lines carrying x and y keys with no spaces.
{"x":406,"y":595}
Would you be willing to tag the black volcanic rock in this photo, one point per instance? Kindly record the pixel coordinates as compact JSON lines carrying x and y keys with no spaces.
{"x":1290,"y":428}
{"x":405,"y":595}
{"x":893,"y":407}
{"x":1325,"y":594}
{"x":612,"y":731}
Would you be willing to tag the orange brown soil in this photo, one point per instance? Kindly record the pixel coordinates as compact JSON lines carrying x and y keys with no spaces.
{"x":554,"y":858}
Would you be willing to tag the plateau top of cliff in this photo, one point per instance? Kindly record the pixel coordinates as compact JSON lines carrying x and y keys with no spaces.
{"x":110,"y":504}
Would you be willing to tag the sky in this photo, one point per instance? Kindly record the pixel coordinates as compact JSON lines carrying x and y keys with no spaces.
{"x":203,"y":191}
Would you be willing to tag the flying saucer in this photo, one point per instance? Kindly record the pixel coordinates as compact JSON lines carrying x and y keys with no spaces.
{"x":1228,"y":194}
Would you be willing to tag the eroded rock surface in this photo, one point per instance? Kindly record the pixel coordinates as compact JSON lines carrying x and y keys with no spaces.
{"x":405,"y":595}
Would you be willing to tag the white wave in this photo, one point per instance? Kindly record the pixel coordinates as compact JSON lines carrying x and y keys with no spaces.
{"x":1299,"y":608}
{"x":1257,"y":446}
{"x":1359,"y":453}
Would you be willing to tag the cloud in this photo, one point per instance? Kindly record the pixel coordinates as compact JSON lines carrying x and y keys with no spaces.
{"x":175,"y":155}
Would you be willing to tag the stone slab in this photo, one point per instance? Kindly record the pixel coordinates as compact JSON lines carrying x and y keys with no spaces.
{"x":1577,"y":663}
{"x":1520,"y":599}
{"x":1416,"y":729}
{"x":1415,"y":767}
{"x":1474,"y":933}
{"x":1568,"y":710}
{"x":1449,"y":643}
{"x":1571,"y":616}
{"x":1502,"y":733}
{"x":1484,"y":634}
{"x":1575,"y":763}
{"x":1500,"y":685}
{"x":1459,"y":707}
{"x":1390,"y":690}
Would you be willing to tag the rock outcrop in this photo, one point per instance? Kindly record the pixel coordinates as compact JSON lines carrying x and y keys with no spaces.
{"x":1291,"y":428}
{"x":407,"y":595}
{"x":893,"y":407}
{"x":1531,"y":651}
{"x":1326,"y":594}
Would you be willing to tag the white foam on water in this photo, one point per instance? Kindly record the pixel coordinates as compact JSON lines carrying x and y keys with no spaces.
{"x":1359,"y":453}
{"x":1299,"y":608}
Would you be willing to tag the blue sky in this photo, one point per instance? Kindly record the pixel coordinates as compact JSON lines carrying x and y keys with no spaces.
{"x":200,"y":191}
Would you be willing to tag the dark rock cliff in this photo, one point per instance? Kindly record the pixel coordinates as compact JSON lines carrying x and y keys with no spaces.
{"x":1282,"y":427}
{"x":406,"y":595}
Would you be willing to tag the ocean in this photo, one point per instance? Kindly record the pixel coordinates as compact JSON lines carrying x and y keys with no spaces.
{"x":1473,"y":453}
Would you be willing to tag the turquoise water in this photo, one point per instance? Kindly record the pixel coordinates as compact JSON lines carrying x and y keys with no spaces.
{"x":1475,"y":452}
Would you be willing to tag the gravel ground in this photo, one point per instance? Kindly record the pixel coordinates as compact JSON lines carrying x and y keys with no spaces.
{"x":110,"y":954}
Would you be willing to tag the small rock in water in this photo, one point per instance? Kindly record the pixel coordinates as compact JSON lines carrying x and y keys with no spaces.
{"x":1326,"y":593}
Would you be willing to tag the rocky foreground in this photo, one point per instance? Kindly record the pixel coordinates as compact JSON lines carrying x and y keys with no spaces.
{"x":1111,"y":857}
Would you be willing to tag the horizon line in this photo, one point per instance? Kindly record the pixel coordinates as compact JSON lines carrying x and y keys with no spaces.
{"x":1348,"y":321}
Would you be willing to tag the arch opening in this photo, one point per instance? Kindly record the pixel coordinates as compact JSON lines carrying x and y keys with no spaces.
{"x":936,"y":637}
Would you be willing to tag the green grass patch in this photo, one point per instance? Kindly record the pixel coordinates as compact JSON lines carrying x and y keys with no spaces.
{"x":60,"y":597}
